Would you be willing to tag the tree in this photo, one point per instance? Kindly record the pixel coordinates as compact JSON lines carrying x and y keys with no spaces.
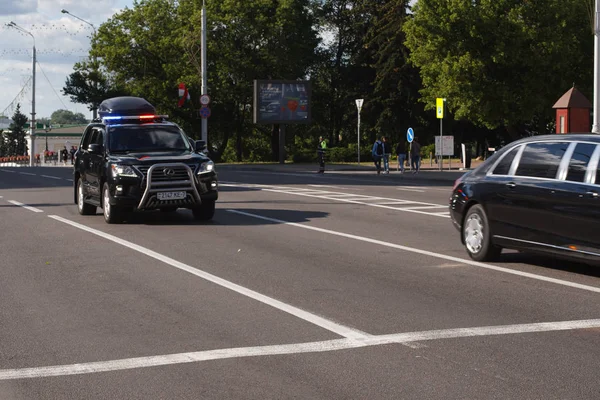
{"x":15,"y":138}
{"x":150,"y":49}
{"x":500,"y":63}
{"x":63,"y":117}
{"x":88,"y":84}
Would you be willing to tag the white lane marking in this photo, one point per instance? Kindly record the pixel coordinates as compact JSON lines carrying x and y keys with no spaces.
{"x":324,"y":323}
{"x":329,"y":186}
{"x":294,"y":348}
{"x":7,"y":170}
{"x":51,"y":177}
{"x":390,"y":203}
{"x":411,"y":190}
{"x":355,"y":199}
{"x":25,"y":206}
{"x":27,"y":173}
{"x":70,"y":180}
{"x":425,"y":253}
{"x":423,"y":207}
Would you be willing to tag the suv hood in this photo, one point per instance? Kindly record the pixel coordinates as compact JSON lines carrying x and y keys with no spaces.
{"x":153,"y":158}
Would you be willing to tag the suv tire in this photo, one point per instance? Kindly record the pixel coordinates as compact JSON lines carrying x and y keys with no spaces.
{"x":477,"y":236}
{"x":112,"y":214}
{"x":205,"y":211}
{"x":83,"y":207}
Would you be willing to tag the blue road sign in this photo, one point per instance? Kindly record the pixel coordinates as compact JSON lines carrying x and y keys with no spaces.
{"x":410,"y":135}
{"x":204,"y":112}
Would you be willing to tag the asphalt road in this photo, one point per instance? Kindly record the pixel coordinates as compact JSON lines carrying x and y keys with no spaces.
{"x":347,"y":285}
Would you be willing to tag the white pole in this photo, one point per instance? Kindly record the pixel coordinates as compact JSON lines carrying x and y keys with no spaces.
{"x":359,"y":136}
{"x":595,"y":125}
{"x":32,"y":127}
{"x":204,"y":71}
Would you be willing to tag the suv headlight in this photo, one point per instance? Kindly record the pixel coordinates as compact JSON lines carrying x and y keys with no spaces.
{"x":122,"y":170}
{"x":205,"y":167}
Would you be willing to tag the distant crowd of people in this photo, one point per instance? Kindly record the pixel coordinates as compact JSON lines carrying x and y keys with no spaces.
{"x":382,"y":151}
{"x":64,"y":155}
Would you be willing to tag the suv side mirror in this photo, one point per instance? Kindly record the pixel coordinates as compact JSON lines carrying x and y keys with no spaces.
{"x":95,"y":148}
{"x":200,"y":145}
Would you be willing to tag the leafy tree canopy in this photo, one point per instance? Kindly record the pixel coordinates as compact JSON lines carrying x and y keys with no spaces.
{"x":67,"y":117}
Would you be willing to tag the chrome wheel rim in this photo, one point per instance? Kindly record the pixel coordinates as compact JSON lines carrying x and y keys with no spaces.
{"x":106,"y":204}
{"x":80,"y":196}
{"x":474,"y":233}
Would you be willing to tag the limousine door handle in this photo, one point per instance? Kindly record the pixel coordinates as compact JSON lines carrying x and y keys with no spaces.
{"x":511,"y":185}
{"x":592,"y":194}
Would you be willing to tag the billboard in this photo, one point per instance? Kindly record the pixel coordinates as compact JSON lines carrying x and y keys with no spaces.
{"x":281,"y":102}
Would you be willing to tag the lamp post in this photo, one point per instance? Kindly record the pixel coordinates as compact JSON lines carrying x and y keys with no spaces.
{"x":31,"y":139}
{"x":94,"y":109}
{"x":596,"y":122}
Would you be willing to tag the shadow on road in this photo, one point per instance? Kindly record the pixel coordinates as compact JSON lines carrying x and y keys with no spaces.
{"x":550,"y":263}
{"x":183,"y":217}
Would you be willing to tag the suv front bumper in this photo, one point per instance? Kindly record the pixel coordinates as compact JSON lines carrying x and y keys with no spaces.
{"x":142,"y":194}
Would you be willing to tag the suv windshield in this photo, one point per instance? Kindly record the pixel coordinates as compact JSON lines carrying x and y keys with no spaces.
{"x":131,"y":139}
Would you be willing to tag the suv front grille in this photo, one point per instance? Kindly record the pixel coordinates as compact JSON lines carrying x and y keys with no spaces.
{"x":158,"y":175}
{"x":168,"y":177}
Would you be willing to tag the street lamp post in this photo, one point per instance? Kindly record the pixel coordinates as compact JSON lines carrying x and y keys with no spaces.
{"x":31,"y":139}
{"x":94,"y":109}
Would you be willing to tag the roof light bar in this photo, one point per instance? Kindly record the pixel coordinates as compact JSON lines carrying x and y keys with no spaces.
{"x":138,"y":117}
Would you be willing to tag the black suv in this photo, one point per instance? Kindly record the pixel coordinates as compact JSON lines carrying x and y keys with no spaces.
{"x":132,"y":159}
{"x":539,"y":194}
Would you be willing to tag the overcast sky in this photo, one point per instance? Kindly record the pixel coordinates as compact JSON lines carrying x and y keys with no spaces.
{"x":61,"y":41}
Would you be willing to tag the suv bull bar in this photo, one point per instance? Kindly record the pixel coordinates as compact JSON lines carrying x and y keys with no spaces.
{"x":179,"y":184}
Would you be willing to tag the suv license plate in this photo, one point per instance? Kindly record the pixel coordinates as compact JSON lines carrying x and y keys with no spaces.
{"x":170,"y":195}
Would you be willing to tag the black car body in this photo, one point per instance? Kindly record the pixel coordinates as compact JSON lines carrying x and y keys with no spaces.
{"x":539,"y":194}
{"x":132,"y":159}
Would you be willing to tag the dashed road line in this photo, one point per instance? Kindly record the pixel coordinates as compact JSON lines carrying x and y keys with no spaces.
{"x":424,"y":252}
{"x":324,"y":323}
{"x":27,"y":173}
{"x":25,"y":206}
{"x":295,"y":348}
{"x":7,"y":170}
{"x":51,"y":177}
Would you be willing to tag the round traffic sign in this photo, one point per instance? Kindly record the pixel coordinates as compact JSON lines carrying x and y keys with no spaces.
{"x":205,"y":112}
{"x":204,"y":99}
{"x":410,"y":135}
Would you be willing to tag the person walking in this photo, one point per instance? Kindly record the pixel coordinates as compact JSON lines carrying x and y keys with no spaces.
{"x":322,"y":147}
{"x":64,"y":155}
{"x":377,"y":152}
{"x":415,"y":155}
{"x":387,"y":154}
{"x":401,"y":153}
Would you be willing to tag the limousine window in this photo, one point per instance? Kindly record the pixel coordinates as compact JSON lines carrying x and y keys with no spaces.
{"x":504,"y":165}
{"x":541,"y":160}
{"x":579,"y":161}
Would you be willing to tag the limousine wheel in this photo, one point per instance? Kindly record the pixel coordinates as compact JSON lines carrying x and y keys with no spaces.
{"x":477,"y":236}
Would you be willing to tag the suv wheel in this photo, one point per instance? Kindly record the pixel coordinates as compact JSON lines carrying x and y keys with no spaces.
{"x":112,"y":214}
{"x":477,"y":236}
{"x":205,"y":211}
{"x":82,"y":206}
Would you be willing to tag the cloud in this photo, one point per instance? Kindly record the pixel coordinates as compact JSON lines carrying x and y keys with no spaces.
{"x":61,"y":40}
{"x":17,"y":7}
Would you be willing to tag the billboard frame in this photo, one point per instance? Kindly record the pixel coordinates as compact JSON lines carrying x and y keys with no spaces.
{"x":261,"y":121}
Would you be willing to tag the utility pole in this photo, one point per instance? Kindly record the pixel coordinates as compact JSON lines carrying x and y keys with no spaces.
{"x":94,"y":60}
{"x":204,"y":69}
{"x":596,"y":123}
{"x":31,"y":138}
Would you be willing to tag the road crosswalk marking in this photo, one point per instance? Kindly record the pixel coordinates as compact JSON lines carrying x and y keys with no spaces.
{"x":411,"y":206}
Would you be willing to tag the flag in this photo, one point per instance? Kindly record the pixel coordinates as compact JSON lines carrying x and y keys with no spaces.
{"x":184,"y":95}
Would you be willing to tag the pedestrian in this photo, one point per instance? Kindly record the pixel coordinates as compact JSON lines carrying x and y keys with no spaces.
{"x":401,"y":153}
{"x":73,"y":150}
{"x":65,"y":155}
{"x":387,"y":154}
{"x":415,"y":155}
{"x":322,"y":147}
{"x":377,"y":152}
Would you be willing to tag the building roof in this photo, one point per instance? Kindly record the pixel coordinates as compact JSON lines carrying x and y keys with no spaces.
{"x":573,"y":99}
